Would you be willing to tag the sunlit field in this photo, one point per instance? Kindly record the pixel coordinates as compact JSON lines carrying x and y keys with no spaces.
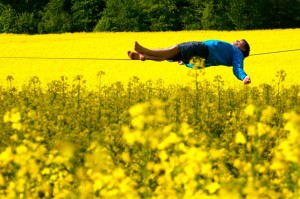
{"x":79,"y":128}
{"x":261,"y":69}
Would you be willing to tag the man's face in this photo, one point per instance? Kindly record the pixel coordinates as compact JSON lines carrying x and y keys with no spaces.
{"x":239,"y":44}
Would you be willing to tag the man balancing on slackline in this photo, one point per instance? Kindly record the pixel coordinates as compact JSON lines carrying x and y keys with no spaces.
{"x":214,"y":52}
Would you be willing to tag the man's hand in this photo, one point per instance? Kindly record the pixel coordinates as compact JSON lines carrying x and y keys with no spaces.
{"x":247,"y":80}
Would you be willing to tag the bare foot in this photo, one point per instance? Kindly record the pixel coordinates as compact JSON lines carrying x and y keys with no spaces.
{"x":135,"y":56}
{"x":138,"y":48}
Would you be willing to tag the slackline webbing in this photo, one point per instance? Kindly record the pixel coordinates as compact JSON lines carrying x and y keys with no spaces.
{"x":282,"y":51}
{"x":68,"y":58}
{"x":118,"y":59}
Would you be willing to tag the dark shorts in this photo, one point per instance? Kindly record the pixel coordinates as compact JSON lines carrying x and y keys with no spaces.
{"x":188,"y":50}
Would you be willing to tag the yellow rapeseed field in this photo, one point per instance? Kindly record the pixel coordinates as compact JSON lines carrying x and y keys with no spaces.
{"x":85,"y":128}
{"x":262,"y":68}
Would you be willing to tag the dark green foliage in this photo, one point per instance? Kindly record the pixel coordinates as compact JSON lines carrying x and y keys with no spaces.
{"x":54,"y":18}
{"x":58,"y":16}
{"x":86,"y":14}
{"x":7,"y":18}
{"x":215,"y":16}
{"x":248,"y":14}
{"x":159,"y":15}
{"x":26,"y":23}
{"x":119,"y":15}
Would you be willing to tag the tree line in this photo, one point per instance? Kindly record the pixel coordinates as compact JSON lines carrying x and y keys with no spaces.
{"x":58,"y":16}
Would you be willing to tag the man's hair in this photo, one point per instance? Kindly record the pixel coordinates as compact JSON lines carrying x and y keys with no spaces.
{"x":246,"y":52}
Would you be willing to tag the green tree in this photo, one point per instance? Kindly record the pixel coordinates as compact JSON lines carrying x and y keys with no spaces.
{"x":58,"y":16}
{"x":215,"y":15}
{"x":247,"y":14}
{"x":119,"y":15}
{"x":25,"y":5}
{"x":26,"y":23}
{"x":8,"y":17}
{"x":208,"y":19}
{"x":55,"y":19}
{"x":160,"y":15}
{"x":22,"y":15}
{"x":283,"y":14}
{"x":190,"y":14}
{"x":86,"y":14}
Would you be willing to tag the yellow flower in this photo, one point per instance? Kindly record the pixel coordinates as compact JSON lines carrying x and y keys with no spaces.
{"x":12,"y":116}
{"x":53,"y":177}
{"x":240,"y":138}
{"x":206,"y":169}
{"x":247,"y":167}
{"x":67,"y":149}
{"x":171,"y":139}
{"x":118,"y":173}
{"x":46,"y":171}
{"x":17,"y":126}
{"x":2,"y":181}
{"x":137,"y":109}
{"x":138,"y":121}
{"x":20,"y":184}
{"x":98,"y":184}
{"x":250,"y":109}
{"x":262,"y":128}
{"x":130,"y":138}
{"x":229,"y":194}
{"x":217,"y":154}
{"x":260,"y":168}
{"x":237,"y":163}
{"x":125,"y":157}
{"x":163,"y":155}
{"x":185,"y":129}
{"x":267,"y":114}
{"x":278,"y":165}
{"x":22,"y":149}
{"x":251,"y":130}
{"x":39,"y":138}
{"x":14,"y":137}
{"x":213,"y":187}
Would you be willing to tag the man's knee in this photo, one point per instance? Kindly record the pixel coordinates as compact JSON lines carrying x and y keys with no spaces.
{"x":175,"y":49}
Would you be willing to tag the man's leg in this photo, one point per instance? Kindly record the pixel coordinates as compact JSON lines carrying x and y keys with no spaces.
{"x":138,"y":56}
{"x":135,"y":56}
{"x":164,"y":53}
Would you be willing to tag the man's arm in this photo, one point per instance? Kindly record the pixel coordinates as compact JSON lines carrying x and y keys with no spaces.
{"x":239,"y":72}
{"x":238,"y":68}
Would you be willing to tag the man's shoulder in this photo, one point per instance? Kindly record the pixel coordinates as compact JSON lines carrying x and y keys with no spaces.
{"x":216,"y":42}
{"x":212,"y":41}
{"x":237,"y":52}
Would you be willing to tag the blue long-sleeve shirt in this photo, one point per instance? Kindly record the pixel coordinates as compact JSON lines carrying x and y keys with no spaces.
{"x":223,"y":53}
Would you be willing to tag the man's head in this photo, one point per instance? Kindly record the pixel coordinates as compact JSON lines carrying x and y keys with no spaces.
{"x":243,"y":46}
